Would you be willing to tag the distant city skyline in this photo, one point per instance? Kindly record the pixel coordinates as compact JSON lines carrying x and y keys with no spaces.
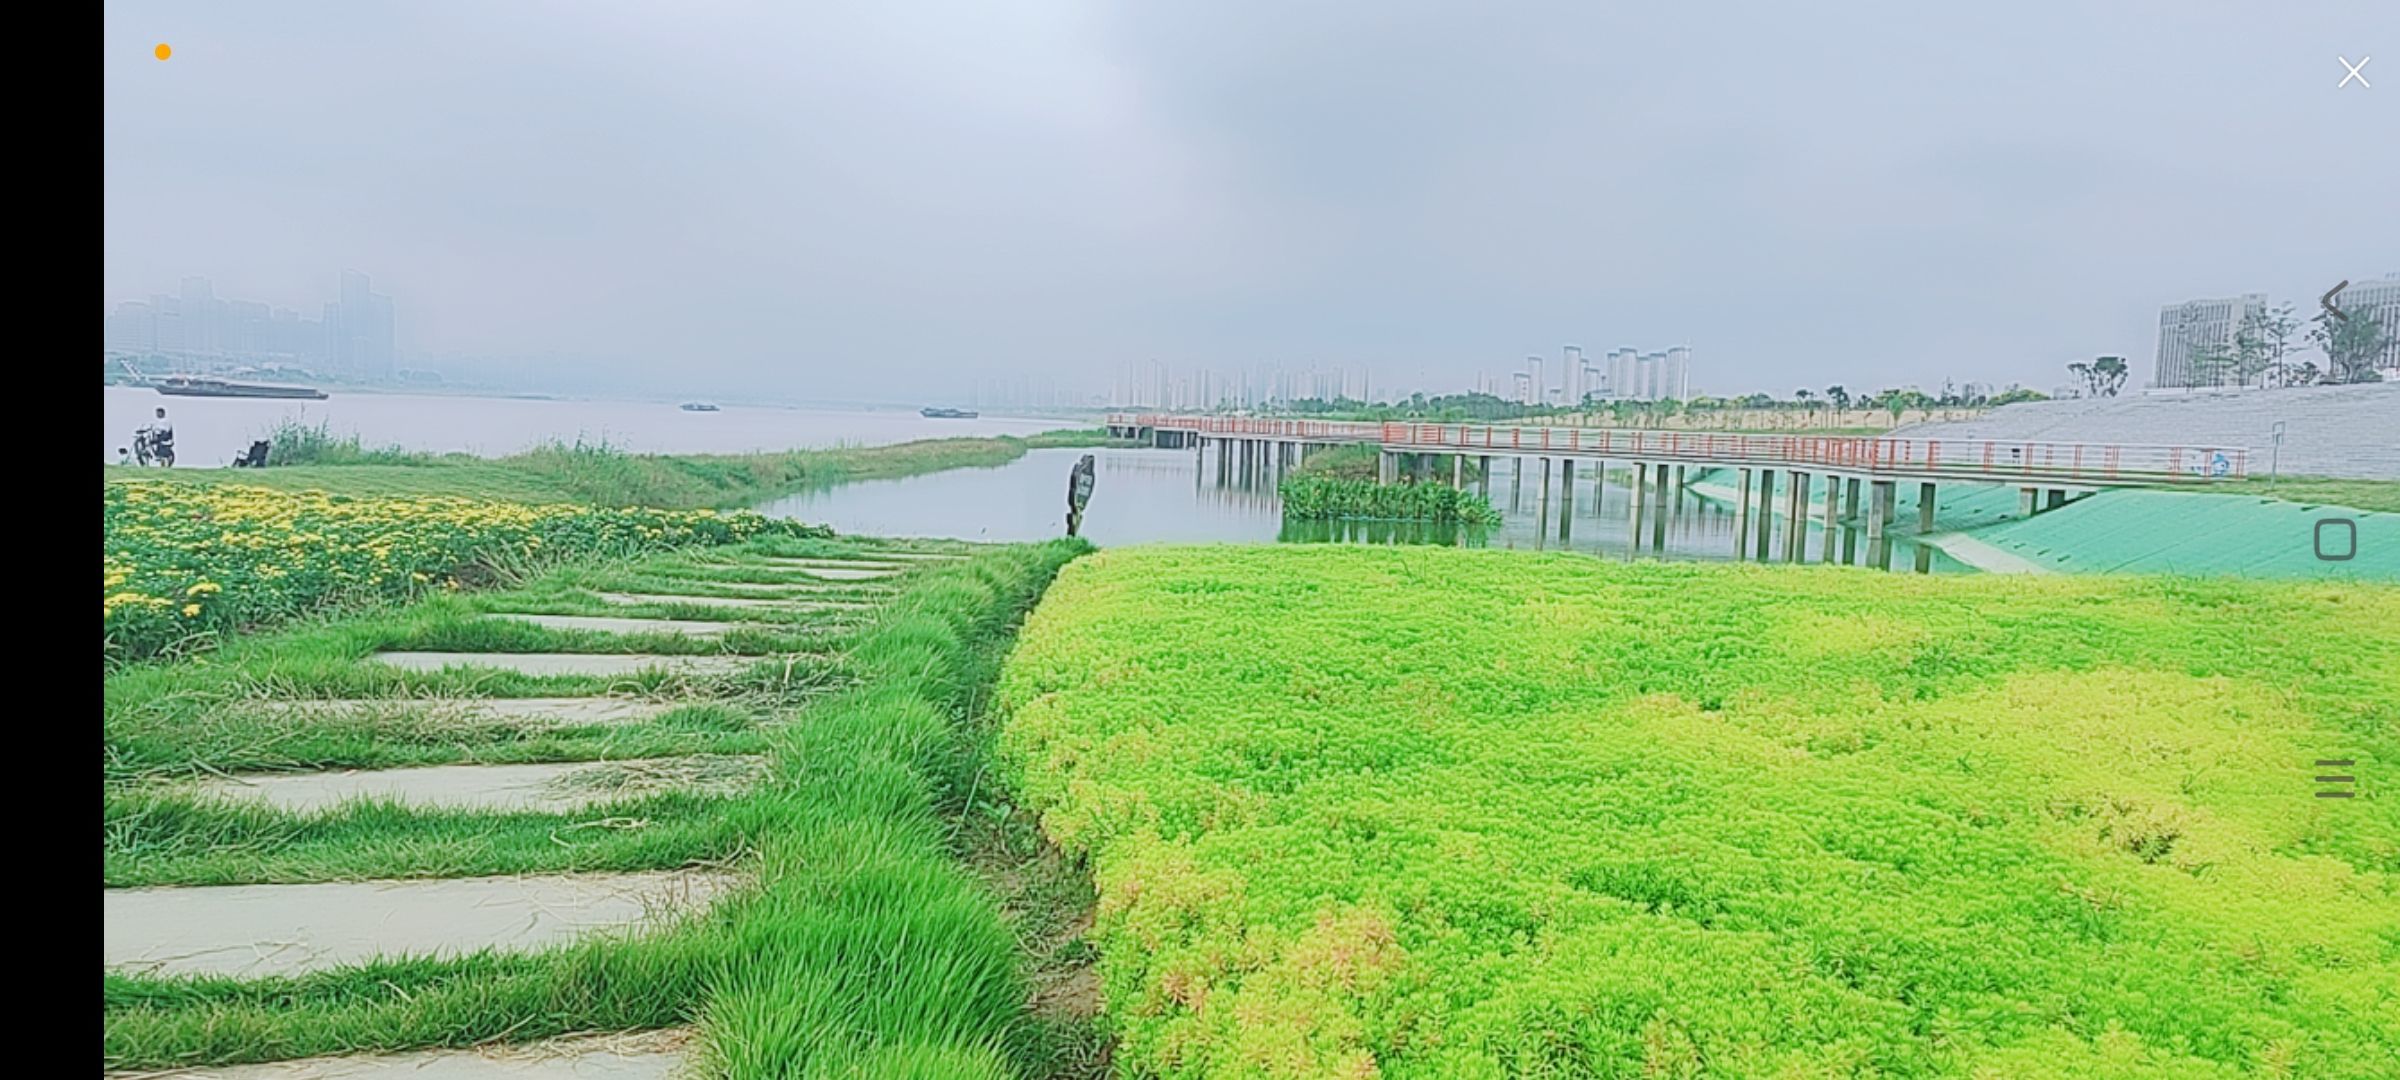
{"x":354,"y":335}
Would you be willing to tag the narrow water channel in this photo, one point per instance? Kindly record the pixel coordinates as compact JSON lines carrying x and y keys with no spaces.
{"x":1187,"y":496}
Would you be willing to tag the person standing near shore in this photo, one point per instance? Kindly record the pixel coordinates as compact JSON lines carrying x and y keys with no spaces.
{"x":1079,"y":492}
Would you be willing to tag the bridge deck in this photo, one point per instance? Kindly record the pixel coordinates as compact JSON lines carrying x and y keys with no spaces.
{"x":1987,"y":460}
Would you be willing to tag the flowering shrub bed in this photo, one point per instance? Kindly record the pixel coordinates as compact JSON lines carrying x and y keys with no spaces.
{"x":185,"y":560}
{"x":1433,"y":813}
{"x":1319,"y":498}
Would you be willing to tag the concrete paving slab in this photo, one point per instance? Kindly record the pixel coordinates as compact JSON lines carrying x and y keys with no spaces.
{"x":605,"y":625}
{"x":813,"y":563}
{"x":250,"y":931}
{"x":547,"y":788}
{"x":848,"y":573}
{"x":570,"y":663}
{"x":544,"y":712}
{"x":641,"y":1055}
{"x":736,"y":602}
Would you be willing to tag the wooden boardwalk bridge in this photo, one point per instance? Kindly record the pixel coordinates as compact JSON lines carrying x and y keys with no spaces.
{"x":2047,"y":473}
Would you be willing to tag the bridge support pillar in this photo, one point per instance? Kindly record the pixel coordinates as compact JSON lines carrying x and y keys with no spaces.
{"x":1599,"y":486}
{"x":1641,"y":495}
{"x":1483,"y":471}
{"x":1850,"y":500}
{"x":1658,"y":521}
{"x":1566,"y":495}
{"x":1762,"y":523}
{"x":1544,"y":497}
{"x":1795,"y":521}
{"x":2029,"y":501}
{"x":1458,"y":471}
{"x":1741,"y":519}
{"x":1386,"y":467}
{"x":1883,"y":496}
{"x":1679,"y":478}
{"x":1925,"y":504}
{"x":1833,"y":504}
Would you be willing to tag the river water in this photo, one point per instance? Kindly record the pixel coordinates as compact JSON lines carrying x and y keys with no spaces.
{"x":1145,"y":496}
{"x":212,"y":431}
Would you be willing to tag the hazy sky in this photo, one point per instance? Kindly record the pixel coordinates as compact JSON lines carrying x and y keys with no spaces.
{"x":876,"y":198}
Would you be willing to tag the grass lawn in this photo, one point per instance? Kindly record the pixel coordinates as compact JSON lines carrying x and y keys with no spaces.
{"x":1365,"y":811}
{"x":2381,"y":495}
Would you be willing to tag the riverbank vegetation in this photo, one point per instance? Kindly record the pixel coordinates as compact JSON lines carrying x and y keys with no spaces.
{"x":1441,"y":813}
{"x":604,"y":475}
{"x":185,"y":563}
{"x":1833,"y":411}
{"x":2381,"y":495}
{"x":859,"y":942}
{"x":1315,"y":498}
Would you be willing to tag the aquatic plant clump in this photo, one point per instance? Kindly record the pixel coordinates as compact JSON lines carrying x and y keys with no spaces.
{"x":1318,"y":498}
{"x":182,"y":561}
{"x":1427,"y":813}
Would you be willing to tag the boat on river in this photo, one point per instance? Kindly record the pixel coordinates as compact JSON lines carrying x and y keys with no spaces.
{"x":697,"y":406}
{"x":202,"y":386}
{"x":949,"y":414}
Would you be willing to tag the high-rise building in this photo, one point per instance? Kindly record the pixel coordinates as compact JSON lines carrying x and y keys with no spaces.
{"x":2194,"y":329}
{"x":199,"y":316}
{"x":1620,"y":372}
{"x":2378,"y":300}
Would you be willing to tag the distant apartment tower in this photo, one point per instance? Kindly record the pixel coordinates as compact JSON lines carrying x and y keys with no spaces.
{"x":359,"y":330}
{"x":2378,"y":300}
{"x":1652,"y":376}
{"x":2198,"y":328}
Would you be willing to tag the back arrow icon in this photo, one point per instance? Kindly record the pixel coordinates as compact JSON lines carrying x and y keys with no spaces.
{"x":2327,"y":300}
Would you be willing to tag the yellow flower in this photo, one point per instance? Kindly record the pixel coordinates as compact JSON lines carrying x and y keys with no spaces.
{"x":191,"y":611}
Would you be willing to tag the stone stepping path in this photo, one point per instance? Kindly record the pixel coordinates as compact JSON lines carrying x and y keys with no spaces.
{"x":630,"y":599}
{"x":646,"y":1055}
{"x":548,"y":712}
{"x":260,"y":930}
{"x":605,"y":625}
{"x":570,"y":663}
{"x":546,"y":788}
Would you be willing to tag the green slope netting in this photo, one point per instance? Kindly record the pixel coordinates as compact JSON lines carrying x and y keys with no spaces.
{"x":2192,"y":533}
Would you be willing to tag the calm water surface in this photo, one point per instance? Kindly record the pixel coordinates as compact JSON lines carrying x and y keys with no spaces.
{"x":1147,"y":496}
{"x":212,"y":431}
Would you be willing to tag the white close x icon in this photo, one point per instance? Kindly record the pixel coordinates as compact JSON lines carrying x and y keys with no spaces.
{"x":2353,"y":69}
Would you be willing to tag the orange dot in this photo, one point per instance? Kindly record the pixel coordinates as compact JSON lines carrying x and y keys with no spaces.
{"x":162,"y":51}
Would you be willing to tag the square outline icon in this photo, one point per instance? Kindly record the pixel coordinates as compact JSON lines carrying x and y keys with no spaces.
{"x":2319,"y":537}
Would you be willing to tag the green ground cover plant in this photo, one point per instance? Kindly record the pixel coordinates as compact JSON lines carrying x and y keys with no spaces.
{"x":1316,"y":498}
{"x":1395,"y":812}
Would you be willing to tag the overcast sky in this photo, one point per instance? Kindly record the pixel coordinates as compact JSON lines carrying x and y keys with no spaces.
{"x":865,"y":199}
